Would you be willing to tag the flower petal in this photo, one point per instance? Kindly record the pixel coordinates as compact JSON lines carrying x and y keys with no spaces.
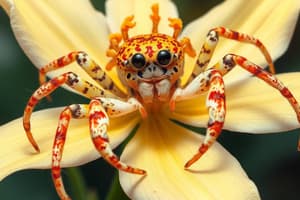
{"x":16,"y":152}
{"x":252,"y":107}
{"x":161,"y":148}
{"x":47,"y":30}
{"x":117,"y":11}
{"x":272,"y":22}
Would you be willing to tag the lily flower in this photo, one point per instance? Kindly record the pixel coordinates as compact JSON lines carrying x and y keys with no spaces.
{"x":159,"y":146}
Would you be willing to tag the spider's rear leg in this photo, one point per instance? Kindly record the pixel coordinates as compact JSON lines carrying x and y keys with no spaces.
{"x":231,"y":60}
{"x":269,"y":78}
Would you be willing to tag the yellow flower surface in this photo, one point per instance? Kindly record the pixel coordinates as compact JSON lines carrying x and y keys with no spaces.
{"x":159,"y":146}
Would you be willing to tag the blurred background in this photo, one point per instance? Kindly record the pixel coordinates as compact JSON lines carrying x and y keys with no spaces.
{"x":270,"y":160}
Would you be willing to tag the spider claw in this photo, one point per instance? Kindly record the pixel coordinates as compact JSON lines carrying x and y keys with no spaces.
{"x":135,"y":171}
{"x":32,"y":141}
{"x":192,"y":160}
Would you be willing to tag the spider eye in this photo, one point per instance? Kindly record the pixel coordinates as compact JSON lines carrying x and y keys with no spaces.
{"x":164,"y":57}
{"x":138,"y":60}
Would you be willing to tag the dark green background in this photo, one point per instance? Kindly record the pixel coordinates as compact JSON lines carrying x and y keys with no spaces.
{"x":270,"y":160}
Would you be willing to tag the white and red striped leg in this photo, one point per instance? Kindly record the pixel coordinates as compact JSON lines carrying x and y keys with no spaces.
{"x":98,"y":128}
{"x":98,"y":124}
{"x":211,"y":81}
{"x":69,"y":78}
{"x":211,"y":42}
{"x":75,"y":111}
{"x":216,"y":95}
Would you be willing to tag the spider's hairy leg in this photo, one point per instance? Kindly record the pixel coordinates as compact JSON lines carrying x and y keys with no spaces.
{"x":98,"y":128}
{"x":86,"y":63}
{"x":69,"y":78}
{"x":73,"y":111}
{"x":211,"y":42}
{"x":211,"y":81}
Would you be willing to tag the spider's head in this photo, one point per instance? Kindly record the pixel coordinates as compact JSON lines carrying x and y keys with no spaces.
{"x":149,"y":65}
{"x":149,"y":61}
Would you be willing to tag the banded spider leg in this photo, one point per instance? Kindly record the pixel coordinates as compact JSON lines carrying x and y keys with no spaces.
{"x":103,"y":104}
{"x":210,"y":80}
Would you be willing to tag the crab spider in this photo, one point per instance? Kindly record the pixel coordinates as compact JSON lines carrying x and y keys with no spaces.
{"x":150,"y":67}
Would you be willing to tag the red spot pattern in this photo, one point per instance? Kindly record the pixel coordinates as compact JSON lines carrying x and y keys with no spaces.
{"x":149,"y":51}
{"x":216,"y":96}
{"x":138,"y":48}
{"x":159,"y":45}
{"x":60,"y":61}
{"x":55,"y":172}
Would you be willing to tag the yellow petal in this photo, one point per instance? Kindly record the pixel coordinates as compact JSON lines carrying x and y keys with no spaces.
{"x":117,"y":10}
{"x":272,"y":21}
{"x":47,"y":30}
{"x":162,"y":148}
{"x":16,"y":152}
{"x":252,"y":107}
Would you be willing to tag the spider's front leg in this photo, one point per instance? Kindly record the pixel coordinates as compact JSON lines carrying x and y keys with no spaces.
{"x":98,"y":128}
{"x":211,"y":81}
{"x":98,"y":119}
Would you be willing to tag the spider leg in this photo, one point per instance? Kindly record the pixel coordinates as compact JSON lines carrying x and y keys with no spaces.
{"x":267,"y":77}
{"x":211,"y":42}
{"x":98,"y":124}
{"x":86,"y":63}
{"x":98,"y":128}
{"x":45,"y":89}
{"x":211,"y":81}
{"x":75,"y":111}
{"x":115,"y":108}
{"x":216,"y":97}
{"x":231,"y":60}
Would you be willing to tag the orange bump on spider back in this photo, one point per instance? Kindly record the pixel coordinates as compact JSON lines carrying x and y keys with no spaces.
{"x":126,"y":25}
{"x":188,"y":48}
{"x":155,"y":17}
{"x":176,"y":24}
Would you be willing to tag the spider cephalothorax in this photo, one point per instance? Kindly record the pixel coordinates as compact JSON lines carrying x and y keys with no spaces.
{"x":150,"y":67}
